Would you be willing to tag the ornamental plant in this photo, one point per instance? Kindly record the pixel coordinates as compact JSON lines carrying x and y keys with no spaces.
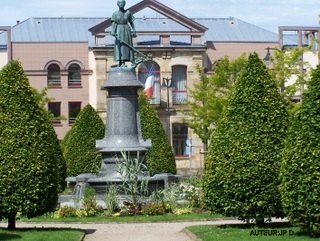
{"x":300,"y":167}
{"x":155,"y":209}
{"x":79,"y":144}
{"x":65,"y":212}
{"x":135,"y":178}
{"x":242,"y":166}
{"x":30,"y":160}
{"x":160,"y":157}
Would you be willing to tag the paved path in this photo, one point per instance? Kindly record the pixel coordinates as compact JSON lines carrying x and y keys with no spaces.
{"x":172,"y":231}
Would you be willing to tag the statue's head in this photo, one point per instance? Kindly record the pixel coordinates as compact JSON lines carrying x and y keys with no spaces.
{"x":121,"y":3}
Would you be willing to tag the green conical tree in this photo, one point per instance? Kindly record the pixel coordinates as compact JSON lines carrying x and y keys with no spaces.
{"x":300,"y":169}
{"x":29,"y":155}
{"x":242,"y":166}
{"x":79,"y":145}
{"x":160,"y":157}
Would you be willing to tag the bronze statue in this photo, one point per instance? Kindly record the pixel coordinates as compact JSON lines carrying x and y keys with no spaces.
{"x":123,"y":30}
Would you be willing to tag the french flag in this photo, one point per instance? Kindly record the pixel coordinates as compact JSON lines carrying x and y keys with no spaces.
{"x":148,"y":89}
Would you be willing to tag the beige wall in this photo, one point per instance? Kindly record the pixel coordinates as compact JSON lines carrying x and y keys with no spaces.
{"x":216,"y":51}
{"x":3,"y":58}
{"x":35,"y":57}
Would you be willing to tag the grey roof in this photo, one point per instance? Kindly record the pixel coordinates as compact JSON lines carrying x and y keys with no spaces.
{"x":76,"y":30}
{"x":55,"y":30}
{"x":235,"y":30}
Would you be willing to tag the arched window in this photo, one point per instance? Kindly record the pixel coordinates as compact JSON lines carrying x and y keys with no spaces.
{"x":53,"y":78}
{"x":74,"y":76}
{"x":179,"y":84}
{"x":143,"y":73}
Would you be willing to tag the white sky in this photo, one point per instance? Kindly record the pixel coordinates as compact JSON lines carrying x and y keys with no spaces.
{"x":268,"y":14}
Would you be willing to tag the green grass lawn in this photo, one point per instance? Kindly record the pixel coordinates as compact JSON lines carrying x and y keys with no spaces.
{"x":40,"y":234}
{"x":129,"y":219}
{"x":243,"y":232}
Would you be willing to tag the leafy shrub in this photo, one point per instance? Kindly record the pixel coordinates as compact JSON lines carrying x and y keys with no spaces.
{"x":242,"y":165}
{"x":169,"y":196}
{"x":192,"y":192}
{"x":299,"y":173}
{"x":79,"y":144}
{"x":180,"y":211}
{"x":32,"y":166}
{"x":89,"y":203}
{"x":155,"y":209}
{"x":160,"y":157}
{"x":65,"y":212}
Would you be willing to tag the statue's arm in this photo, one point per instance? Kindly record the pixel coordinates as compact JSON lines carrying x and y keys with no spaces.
{"x":133,"y":30}
{"x":114,"y":24}
{"x":130,"y":20}
{"x":114,"y":29}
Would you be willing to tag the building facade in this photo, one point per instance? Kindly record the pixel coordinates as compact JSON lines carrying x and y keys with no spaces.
{"x":72,"y":58}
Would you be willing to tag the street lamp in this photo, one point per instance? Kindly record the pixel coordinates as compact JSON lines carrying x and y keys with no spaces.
{"x":267,"y":58}
{"x":167,"y":82}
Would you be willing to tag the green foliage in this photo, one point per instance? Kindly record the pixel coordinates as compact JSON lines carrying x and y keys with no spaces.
{"x":169,"y":196}
{"x":133,"y":176}
{"x":208,"y":97}
{"x":193,"y":193}
{"x":31,"y":163}
{"x":79,"y":144}
{"x":287,"y":64}
{"x":65,"y":212}
{"x":89,"y":204}
{"x":160,"y":157}
{"x":111,"y":199}
{"x":155,"y":209}
{"x":300,"y":169}
{"x":57,"y":155}
{"x":243,"y":162}
{"x":182,"y":210}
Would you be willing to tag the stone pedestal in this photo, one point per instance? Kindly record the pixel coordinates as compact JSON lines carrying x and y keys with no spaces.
{"x":122,"y":136}
{"x":123,"y":129}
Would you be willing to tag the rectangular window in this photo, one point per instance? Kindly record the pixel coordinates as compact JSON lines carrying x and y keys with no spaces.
{"x":179,"y":138}
{"x":55,"y":109}
{"x":179,"y":84}
{"x":74,"y":109}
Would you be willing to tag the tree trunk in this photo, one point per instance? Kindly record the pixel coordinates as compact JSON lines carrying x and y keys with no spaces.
{"x":12,"y":221}
{"x":260,"y":222}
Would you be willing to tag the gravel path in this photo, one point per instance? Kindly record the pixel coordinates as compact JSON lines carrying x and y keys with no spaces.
{"x":173,"y":231}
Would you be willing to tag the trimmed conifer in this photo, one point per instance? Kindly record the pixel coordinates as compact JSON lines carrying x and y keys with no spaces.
{"x":79,"y":144}
{"x":242,"y":166}
{"x":160,"y":157}
{"x":300,"y":169}
{"x":29,"y":155}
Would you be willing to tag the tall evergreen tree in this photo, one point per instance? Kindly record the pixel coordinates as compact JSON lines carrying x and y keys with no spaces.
{"x":242,"y":166}
{"x":29,"y":155}
{"x":160,"y":157}
{"x":79,"y":144}
{"x":300,"y":169}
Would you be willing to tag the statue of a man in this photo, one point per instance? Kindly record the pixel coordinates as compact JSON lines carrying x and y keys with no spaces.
{"x":123,"y":29}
